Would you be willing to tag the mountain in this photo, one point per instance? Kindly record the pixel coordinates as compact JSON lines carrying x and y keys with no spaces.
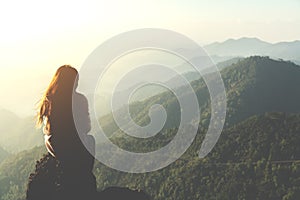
{"x":14,"y":173}
{"x":259,"y":84}
{"x":254,"y":85}
{"x":3,"y":154}
{"x":252,"y":46}
{"x":241,"y":47}
{"x":103,"y":101}
{"x":16,"y":133}
{"x":220,"y":66}
{"x":257,"y":158}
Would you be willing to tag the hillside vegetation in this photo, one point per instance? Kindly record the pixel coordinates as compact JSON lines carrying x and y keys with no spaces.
{"x":256,"y":157}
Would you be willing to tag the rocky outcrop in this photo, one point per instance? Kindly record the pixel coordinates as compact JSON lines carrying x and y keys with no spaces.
{"x":47,"y":183}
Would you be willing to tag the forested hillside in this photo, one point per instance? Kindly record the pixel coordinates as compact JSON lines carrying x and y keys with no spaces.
{"x":3,"y":154}
{"x":18,"y":134}
{"x":254,"y":85}
{"x":256,"y":157}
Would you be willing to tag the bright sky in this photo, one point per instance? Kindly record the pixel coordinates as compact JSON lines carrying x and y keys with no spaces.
{"x":36,"y":37}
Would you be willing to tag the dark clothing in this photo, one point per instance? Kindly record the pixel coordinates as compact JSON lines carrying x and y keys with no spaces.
{"x":67,"y":139}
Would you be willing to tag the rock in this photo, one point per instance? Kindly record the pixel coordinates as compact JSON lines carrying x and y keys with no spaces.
{"x":47,"y":183}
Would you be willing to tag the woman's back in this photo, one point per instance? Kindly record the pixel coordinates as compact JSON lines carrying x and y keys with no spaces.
{"x":67,"y":123}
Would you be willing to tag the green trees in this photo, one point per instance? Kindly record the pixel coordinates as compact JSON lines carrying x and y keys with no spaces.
{"x":245,"y":164}
{"x":256,"y":157}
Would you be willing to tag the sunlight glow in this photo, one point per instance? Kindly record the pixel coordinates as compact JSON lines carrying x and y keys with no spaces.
{"x":38,"y":36}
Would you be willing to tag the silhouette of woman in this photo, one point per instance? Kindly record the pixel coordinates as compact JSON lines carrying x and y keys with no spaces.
{"x":62,"y":136}
{"x":65,"y":173}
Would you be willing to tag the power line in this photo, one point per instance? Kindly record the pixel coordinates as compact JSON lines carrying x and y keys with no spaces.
{"x":273,"y":162}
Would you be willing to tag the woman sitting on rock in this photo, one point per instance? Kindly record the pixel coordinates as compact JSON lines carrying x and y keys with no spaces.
{"x":64,"y":113}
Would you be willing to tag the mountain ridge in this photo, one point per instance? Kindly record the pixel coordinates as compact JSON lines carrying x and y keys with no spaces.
{"x":261,"y":129}
{"x":253,"y":46}
{"x":3,"y":154}
{"x":18,"y":133}
{"x":233,"y":160}
{"x":246,"y":83}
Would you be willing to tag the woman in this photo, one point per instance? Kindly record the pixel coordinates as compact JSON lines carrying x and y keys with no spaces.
{"x":59,"y":109}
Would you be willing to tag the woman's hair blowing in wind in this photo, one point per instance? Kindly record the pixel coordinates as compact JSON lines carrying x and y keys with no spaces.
{"x":60,"y":90}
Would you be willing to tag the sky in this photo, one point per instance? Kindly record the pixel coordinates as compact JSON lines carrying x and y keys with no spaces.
{"x":37,"y":37}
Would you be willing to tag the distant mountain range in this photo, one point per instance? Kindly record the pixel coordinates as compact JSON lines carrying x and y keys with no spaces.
{"x":252,"y":46}
{"x":255,"y":157}
{"x":252,"y":159}
{"x":3,"y":154}
{"x":224,"y":54}
{"x":16,"y":133}
{"x":254,"y":85}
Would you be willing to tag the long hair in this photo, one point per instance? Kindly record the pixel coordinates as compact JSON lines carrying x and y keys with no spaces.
{"x":56,"y":103}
